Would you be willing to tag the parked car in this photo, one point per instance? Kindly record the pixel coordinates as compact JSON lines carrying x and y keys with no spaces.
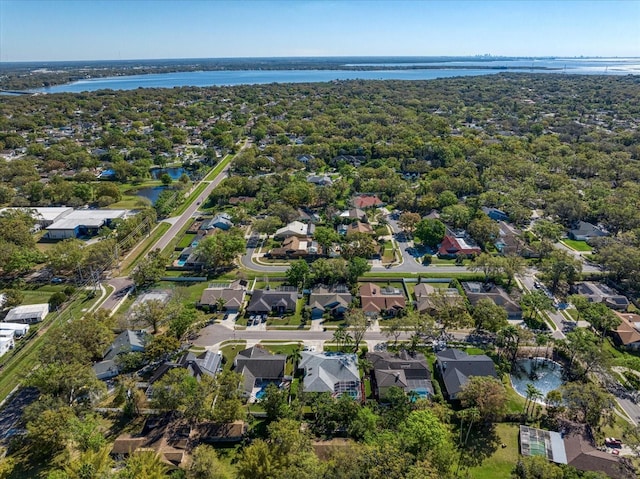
{"x":613,"y":442}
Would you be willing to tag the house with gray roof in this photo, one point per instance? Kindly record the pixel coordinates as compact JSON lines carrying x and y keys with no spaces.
{"x":456,"y":367}
{"x":221,"y":221}
{"x":207,"y":364}
{"x":259,"y":367}
{"x":265,"y":301}
{"x":28,"y":313}
{"x":476,"y":291}
{"x":335,"y":373}
{"x":431,"y":300}
{"x":584,"y":231}
{"x":334,"y":300}
{"x":127,"y":341}
{"x":407,"y":372}
{"x":601,"y":293}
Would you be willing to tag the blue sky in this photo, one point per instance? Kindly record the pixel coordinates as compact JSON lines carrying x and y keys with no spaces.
{"x":33,"y":30}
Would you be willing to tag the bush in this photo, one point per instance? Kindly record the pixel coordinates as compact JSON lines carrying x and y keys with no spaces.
{"x":56,"y":300}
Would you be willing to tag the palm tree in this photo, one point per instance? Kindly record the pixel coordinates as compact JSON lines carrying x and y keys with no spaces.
{"x":90,"y":464}
{"x":533,"y":394}
{"x":295,"y":357}
{"x":146,"y":465}
{"x":472,"y":415}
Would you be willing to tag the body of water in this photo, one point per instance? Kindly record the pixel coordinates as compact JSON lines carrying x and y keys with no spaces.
{"x":174,"y":172}
{"x":151,"y":193}
{"x":544,"y":374}
{"x":444,"y":70}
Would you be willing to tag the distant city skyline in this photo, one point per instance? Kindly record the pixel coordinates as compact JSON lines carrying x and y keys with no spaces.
{"x":136,"y":29}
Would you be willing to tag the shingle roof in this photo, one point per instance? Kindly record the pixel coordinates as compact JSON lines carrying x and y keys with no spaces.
{"x":323,"y":370}
{"x":263,"y":301}
{"x":457,"y":367}
{"x":126,"y":342}
{"x":256,"y":362}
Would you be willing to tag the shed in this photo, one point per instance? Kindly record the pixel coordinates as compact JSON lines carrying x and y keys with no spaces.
{"x":28,"y":313}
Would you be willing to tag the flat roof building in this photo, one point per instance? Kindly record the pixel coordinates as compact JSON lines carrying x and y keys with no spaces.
{"x":29,"y":313}
{"x":83,"y":223}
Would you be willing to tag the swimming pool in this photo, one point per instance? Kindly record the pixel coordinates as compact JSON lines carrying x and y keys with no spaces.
{"x":181,"y":262}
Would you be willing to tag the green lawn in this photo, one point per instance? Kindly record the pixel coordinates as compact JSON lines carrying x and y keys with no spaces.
{"x":497,"y":462}
{"x":577,"y":245}
{"x":230,"y":351}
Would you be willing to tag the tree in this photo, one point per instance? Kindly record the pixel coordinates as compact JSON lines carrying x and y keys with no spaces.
{"x":358,"y":324}
{"x":533,"y":394}
{"x":166,"y":179}
{"x":275,"y":403}
{"x":49,"y":432}
{"x":298,"y":273}
{"x":484,"y":230}
{"x":13,"y":297}
{"x":364,"y":425}
{"x":359,"y":245}
{"x":512,"y":265}
{"x":219,"y":250}
{"x":256,"y":462}
{"x":150,"y":270}
{"x":601,"y":318}
{"x":228,"y":403}
{"x":430,"y":231}
{"x":548,"y":230}
{"x":356,"y":267}
{"x":471,"y":415}
{"x":485,"y":393}
{"x":66,"y":258}
{"x":177,"y":390}
{"x":396,"y":326}
{"x":152,"y":313}
{"x":489,"y":316}
{"x":489,"y":265}
{"x":535,"y":302}
{"x":90,"y":464}
{"x":144,"y":465}
{"x":589,"y":403}
{"x":408,"y":222}
{"x":67,"y":382}
{"x":160,"y":347}
{"x":106,"y":189}
{"x":207,"y":465}
{"x":561,"y":268}
{"x":342,"y":338}
{"x":326,"y":237}
{"x":422,"y":432}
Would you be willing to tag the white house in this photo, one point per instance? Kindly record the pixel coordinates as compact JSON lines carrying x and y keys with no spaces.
{"x":29,"y":313}
{"x":6,"y":343}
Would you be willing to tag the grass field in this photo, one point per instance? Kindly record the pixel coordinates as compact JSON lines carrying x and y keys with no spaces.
{"x":497,"y":461}
{"x":577,"y":245}
{"x":143,"y":247}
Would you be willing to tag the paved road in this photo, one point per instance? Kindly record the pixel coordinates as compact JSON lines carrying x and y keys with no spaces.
{"x":122,"y":285}
{"x":527,"y":280}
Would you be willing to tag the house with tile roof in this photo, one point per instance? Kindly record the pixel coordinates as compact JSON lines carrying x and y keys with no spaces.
{"x":456,"y":367}
{"x":376,"y":301}
{"x":334,"y":300}
{"x":366,"y":201}
{"x":335,"y":373}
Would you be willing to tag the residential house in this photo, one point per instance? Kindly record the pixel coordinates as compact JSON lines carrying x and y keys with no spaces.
{"x":228,"y":297}
{"x":320,"y":180}
{"x":601,"y":293}
{"x":333,"y":300}
{"x":295,"y":228}
{"x":450,"y":247}
{"x":366,"y":201}
{"x":408,"y":372}
{"x":279,"y":301}
{"x":360,"y":227}
{"x":476,"y":291}
{"x":163,"y":435}
{"x":348,"y":159}
{"x":6,"y":342}
{"x":354,"y":214}
{"x":295,"y":247}
{"x":221,"y":221}
{"x":495,"y":214}
{"x":386,"y":301}
{"x":28,"y":313}
{"x":18,"y":329}
{"x":307,"y":216}
{"x":216,"y":433}
{"x":127,"y":341}
{"x":456,"y":367}
{"x":574,"y":446}
{"x":584,"y":231}
{"x":258,"y":368}
{"x":207,"y":364}
{"x":305,"y":158}
{"x":335,"y":373}
{"x":240,"y":200}
{"x":430,"y":299}
{"x":627,"y":334}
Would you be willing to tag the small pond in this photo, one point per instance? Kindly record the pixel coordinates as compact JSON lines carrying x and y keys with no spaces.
{"x":544,"y":374}
{"x":174,"y":172}
{"x":151,"y":193}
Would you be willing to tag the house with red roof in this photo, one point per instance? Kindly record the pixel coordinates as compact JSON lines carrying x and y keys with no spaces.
{"x":377,"y":301}
{"x":452,"y":247}
{"x":367,"y":201}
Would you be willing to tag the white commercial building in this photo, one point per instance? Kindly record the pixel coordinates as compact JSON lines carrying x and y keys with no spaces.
{"x":18,"y":329}
{"x":29,"y":313}
{"x":83,"y":223}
